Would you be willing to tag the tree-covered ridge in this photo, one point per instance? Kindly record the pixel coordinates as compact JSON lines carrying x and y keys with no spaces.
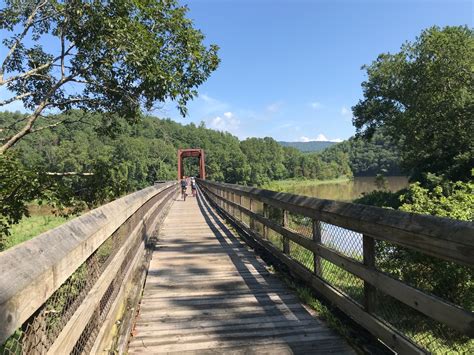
{"x":102,"y":56}
{"x":423,"y":97}
{"x":93,"y":158}
{"x":306,"y":147}
{"x":368,"y":157}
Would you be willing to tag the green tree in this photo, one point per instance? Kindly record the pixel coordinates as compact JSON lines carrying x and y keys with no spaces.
{"x":111,"y":56}
{"x":423,"y":96}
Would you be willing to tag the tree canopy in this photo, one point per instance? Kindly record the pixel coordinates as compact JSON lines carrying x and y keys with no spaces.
{"x":105,"y":56}
{"x":423,"y":97}
{"x":99,"y":157}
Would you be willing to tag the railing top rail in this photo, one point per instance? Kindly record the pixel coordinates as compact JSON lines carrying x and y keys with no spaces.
{"x":31,"y":271}
{"x":441,"y":237}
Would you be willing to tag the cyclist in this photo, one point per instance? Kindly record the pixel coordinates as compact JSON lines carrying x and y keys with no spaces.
{"x":184,"y":185}
{"x":193,"y":186}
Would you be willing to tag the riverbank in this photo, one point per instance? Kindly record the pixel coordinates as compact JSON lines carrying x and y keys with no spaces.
{"x":341,"y":189}
{"x":290,"y":184}
{"x":32,"y":226}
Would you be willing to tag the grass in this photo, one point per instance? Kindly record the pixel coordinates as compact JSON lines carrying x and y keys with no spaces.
{"x":427,"y":333}
{"x":32,"y":226}
{"x":282,"y":185}
{"x":432,"y":336}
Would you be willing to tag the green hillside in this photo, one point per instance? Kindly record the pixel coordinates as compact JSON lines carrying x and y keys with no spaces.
{"x":306,"y":147}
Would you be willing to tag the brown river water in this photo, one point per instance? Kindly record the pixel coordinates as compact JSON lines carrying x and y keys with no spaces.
{"x":344,"y":240}
{"x":348,"y":190}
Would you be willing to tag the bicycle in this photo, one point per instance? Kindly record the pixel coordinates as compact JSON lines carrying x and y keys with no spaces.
{"x":183,"y":193}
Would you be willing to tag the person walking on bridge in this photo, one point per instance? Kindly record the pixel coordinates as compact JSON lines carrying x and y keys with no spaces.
{"x":193,"y":186}
{"x":184,"y":186}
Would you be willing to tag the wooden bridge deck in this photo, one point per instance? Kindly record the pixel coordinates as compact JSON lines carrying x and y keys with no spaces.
{"x":206,"y":292}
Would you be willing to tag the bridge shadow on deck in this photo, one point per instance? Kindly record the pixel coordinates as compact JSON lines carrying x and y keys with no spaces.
{"x":239,"y":309}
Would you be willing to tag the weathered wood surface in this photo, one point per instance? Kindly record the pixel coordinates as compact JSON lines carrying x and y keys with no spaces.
{"x":32,"y":271}
{"x":207,"y":292}
{"x":444,"y":238}
{"x":432,"y":306}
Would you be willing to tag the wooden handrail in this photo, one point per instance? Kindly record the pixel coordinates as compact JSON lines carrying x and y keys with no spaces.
{"x":430,"y":235}
{"x":444,"y":238}
{"x":32,"y":271}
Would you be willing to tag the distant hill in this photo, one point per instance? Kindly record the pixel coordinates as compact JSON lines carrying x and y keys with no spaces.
{"x":306,"y":147}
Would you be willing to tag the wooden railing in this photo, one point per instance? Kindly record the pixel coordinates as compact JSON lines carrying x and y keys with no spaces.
{"x":341,"y":251}
{"x":62,"y":291}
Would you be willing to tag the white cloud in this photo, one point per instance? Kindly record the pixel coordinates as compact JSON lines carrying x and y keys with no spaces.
{"x":206,"y":98}
{"x":319,"y":138}
{"x":207,"y":105}
{"x":225,"y":122}
{"x":273,"y":107}
{"x":315,"y":105}
{"x":346,"y":112}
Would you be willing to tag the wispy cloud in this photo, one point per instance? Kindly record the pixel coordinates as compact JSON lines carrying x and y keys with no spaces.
{"x":346,"y":112}
{"x":274,"y":107}
{"x":210,"y":105}
{"x":315,"y":105}
{"x":225,"y":122}
{"x":285,"y":125}
{"x":319,"y":138}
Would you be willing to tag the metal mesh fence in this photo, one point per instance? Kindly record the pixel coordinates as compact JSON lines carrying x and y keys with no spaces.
{"x":452,"y":282}
{"x":300,"y":224}
{"x":343,"y":280}
{"x":431,"y":335}
{"x":38,"y":333}
{"x":343,"y":240}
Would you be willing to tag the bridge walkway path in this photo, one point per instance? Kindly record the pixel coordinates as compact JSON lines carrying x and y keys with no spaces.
{"x":206,"y":292}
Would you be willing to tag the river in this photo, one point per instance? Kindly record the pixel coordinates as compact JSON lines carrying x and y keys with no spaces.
{"x":346,"y":190}
{"x":343,"y":240}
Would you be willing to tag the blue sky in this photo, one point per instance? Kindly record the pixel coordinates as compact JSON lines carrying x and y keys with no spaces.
{"x":291,"y":69}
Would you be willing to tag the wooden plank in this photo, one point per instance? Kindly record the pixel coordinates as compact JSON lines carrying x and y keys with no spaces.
{"x":33,"y":270}
{"x":286,"y":241}
{"x":190,"y":304}
{"x":392,"y":338}
{"x":368,"y":245}
{"x":317,"y":239}
{"x":265,"y":215}
{"x":66,"y":340}
{"x":128,"y":286}
{"x":441,"y":237}
{"x":432,"y":306}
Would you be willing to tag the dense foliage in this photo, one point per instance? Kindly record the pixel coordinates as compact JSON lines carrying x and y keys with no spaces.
{"x":308,"y":147}
{"x":423,"y":97}
{"x":368,"y":157}
{"x":442,"y":278}
{"x":93,"y":158}
{"x":105,"y":56}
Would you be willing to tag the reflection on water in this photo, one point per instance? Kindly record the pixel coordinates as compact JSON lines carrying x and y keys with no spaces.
{"x":343,"y":240}
{"x":349,"y":190}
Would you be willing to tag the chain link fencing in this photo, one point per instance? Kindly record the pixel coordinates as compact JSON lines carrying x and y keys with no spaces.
{"x":449,"y":281}
{"x":40,"y":331}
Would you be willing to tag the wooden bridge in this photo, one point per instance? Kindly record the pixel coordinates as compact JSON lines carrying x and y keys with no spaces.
{"x":149,"y":273}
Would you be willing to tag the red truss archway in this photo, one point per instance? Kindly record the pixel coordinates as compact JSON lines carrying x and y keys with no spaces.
{"x":186,"y":153}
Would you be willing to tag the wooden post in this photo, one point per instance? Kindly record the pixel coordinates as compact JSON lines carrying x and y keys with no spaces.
{"x":317,"y":239}
{"x":233,"y":208}
{"x":368,"y":244}
{"x":265,"y":214}
{"x":286,"y":241}
{"x":252,"y":224}
{"x":240,"y":204}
